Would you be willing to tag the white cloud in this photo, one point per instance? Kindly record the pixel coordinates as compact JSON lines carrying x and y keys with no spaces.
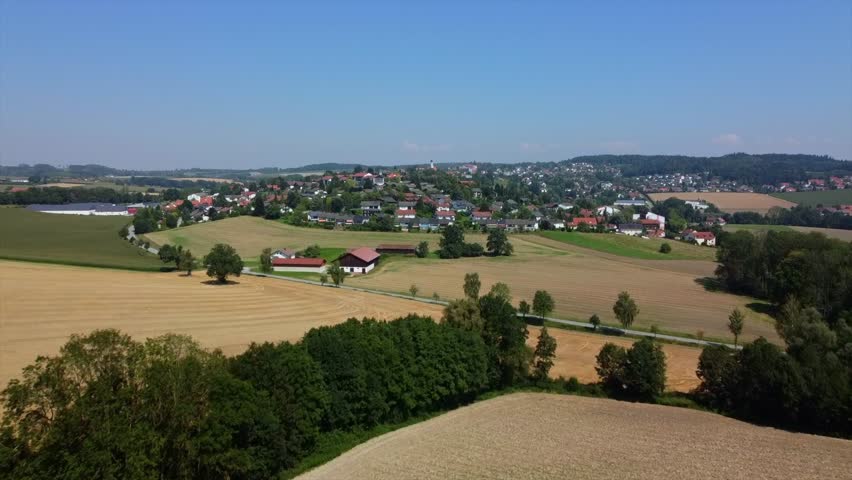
{"x":421,"y":147}
{"x":619,"y":146}
{"x":728,"y":139}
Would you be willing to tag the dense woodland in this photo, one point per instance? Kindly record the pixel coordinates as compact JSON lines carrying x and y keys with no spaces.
{"x":741,"y":167}
{"x":59,"y":195}
{"x":800,"y":216}
{"x":808,"y":385}
{"x":111,"y":407}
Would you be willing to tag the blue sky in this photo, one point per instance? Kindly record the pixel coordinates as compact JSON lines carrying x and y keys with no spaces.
{"x":263,"y":83}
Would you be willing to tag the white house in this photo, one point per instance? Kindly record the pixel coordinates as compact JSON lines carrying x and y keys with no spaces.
{"x":701,"y":238}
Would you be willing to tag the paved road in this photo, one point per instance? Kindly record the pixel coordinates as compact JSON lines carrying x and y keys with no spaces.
{"x":626,"y":332}
{"x":131,"y":233}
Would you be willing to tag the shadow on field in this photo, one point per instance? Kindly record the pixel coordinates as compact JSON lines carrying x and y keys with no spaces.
{"x":764,"y":308}
{"x":216,"y":283}
{"x":711,"y":284}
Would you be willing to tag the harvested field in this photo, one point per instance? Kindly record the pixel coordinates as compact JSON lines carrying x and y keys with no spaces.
{"x":41,"y":305}
{"x":730,"y":201}
{"x":583,"y":282}
{"x":576,"y":352}
{"x":545,"y":436}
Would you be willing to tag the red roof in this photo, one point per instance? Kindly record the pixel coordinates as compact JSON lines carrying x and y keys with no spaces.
{"x":588,"y":221}
{"x":704,"y":235}
{"x":298,"y":262}
{"x":481,"y":214}
{"x":648,"y":221}
{"x":403,"y":211}
{"x":364,"y":254}
{"x":446,"y":213}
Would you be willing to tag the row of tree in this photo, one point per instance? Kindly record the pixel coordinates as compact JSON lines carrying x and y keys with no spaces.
{"x":111,"y":407}
{"x":59,"y":195}
{"x":807,"y":386}
{"x":453,"y":244}
{"x":798,"y":215}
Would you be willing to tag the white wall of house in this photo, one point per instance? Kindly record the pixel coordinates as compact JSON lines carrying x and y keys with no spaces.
{"x":300,"y":269}
{"x":358,"y":270}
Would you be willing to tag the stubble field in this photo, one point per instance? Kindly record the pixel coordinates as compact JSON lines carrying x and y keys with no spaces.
{"x":730,"y":201}
{"x":543,"y":436}
{"x":582,"y":281}
{"x":576,"y":352}
{"x":42,"y":305}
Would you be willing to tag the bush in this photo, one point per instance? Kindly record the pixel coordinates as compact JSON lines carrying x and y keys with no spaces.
{"x":665,"y":248}
{"x":637,"y":373}
{"x":472,"y":250}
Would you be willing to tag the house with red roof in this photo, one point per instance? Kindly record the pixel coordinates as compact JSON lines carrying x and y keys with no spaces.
{"x":406,"y":213}
{"x":577,"y":221}
{"x":359,"y":261}
{"x":700,"y":238}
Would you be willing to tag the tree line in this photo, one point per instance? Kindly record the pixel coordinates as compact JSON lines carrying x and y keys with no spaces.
{"x":59,"y":195}
{"x":779,"y":265}
{"x":111,"y":407}
{"x":743,"y":168}
{"x":799,"y":215}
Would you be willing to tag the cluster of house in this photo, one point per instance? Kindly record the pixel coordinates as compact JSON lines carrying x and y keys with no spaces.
{"x":812,"y":184}
{"x":355,"y":261}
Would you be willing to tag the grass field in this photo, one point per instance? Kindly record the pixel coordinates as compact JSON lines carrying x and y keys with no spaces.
{"x":250,"y":235}
{"x":635,"y":247}
{"x":546,"y":436}
{"x":824,"y":197}
{"x":70,"y":239}
{"x":42,"y":305}
{"x":845,"y":235}
{"x":729,"y":201}
{"x":582,"y":281}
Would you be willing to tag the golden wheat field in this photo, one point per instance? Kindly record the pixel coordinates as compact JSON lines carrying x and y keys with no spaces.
{"x":544,"y":436}
{"x":582,"y":281}
{"x":41,"y":305}
{"x":576,"y":352}
{"x":730,"y":201}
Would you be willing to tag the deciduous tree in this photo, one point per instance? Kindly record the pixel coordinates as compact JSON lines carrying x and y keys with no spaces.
{"x":223,"y":261}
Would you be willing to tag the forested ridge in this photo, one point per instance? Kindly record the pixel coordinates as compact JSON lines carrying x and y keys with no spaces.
{"x":744,"y":168}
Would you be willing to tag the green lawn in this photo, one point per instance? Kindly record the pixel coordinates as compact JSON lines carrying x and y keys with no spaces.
{"x":825,"y":197}
{"x":70,"y":239}
{"x":635,"y":247}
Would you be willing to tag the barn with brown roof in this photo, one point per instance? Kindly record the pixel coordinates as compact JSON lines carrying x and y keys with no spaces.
{"x":359,"y":260}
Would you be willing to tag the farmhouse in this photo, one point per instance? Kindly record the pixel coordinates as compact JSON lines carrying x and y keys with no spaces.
{"x":634,"y":229}
{"x":701,"y":238}
{"x":284,"y":253}
{"x":312,"y":265}
{"x":400,"y":249}
{"x":359,"y":260}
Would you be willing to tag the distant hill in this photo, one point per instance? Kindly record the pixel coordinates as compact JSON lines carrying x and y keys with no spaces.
{"x":743,"y":167}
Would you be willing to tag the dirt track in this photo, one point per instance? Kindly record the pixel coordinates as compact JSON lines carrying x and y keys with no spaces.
{"x":541,"y":436}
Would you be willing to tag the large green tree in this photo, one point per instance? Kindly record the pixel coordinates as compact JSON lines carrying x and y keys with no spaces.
{"x":498,"y":243}
{"x":542,"y":303}
{"x":625,"y":309}
{"x":223,"y":261}
{"x":545,"y":352}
